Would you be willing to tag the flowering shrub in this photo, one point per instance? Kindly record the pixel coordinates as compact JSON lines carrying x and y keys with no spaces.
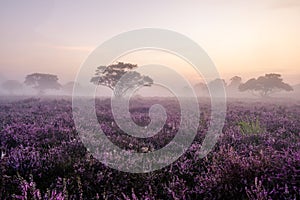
{"x":42,"y":156}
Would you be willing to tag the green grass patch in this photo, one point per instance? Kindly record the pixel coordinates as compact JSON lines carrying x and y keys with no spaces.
{"x":250,"y":127}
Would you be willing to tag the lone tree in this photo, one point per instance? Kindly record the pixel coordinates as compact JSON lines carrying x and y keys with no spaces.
{"x":111,"y":75}
{"x":217,"y":82}
{"x":201,"y":89}
{"x":217,"y":87}
{"x":265,"y":85}
{"x":42,"y":82}
{"x":11,"y":86}
{"x":235,"y":82}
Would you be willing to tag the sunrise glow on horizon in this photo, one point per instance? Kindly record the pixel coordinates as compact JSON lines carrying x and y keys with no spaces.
{"x":247,"y":39}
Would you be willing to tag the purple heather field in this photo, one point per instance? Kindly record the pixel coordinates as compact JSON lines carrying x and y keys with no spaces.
{"x":256,"y":157}
{"x":150,"y":100}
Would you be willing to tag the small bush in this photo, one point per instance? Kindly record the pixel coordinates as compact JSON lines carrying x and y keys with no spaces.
{"x":250,"y":127}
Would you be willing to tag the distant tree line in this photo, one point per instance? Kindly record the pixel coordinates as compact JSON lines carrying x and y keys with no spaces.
{"x":262,"y":86}
{"x":121,"y":78}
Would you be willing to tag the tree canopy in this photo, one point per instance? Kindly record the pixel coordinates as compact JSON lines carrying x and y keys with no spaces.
{"x":265,"y":85}
{"x":42,"y":82}
{"x":120,"y":74}
{"x":235,"y":82}
{"x":217,"y":82}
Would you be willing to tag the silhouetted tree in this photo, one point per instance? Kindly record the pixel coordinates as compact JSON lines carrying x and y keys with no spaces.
{"x":235,"y":82}
{"x":265,"y":85}
{"x":201,"y":89}
{"x":110,"y":76}
{"x":214,"y":85}
{"x":42,"y":82}
{"x":233,"y":87}
{"x":217,"y":82}
{"x":201,"y":86}
{"x":11,"y":86}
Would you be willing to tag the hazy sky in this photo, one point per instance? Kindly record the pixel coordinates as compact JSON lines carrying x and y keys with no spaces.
{"x":245,"y":38}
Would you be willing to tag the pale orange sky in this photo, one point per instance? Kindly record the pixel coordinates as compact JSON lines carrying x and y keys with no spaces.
{"x":244,"y":38}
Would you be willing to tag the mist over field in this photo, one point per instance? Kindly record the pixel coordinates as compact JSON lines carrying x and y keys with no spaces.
{"x":133,"y":100}
{"x":154,"y":91}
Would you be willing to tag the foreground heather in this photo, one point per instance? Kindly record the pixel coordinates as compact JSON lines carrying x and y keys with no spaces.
{"x":257,"y":157}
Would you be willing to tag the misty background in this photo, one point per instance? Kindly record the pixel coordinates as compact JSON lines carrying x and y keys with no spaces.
{"x":9,"y":87}
{"x":244,"y":39}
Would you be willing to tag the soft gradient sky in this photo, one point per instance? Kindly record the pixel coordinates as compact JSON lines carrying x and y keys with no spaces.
{"x":245,"y":38}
